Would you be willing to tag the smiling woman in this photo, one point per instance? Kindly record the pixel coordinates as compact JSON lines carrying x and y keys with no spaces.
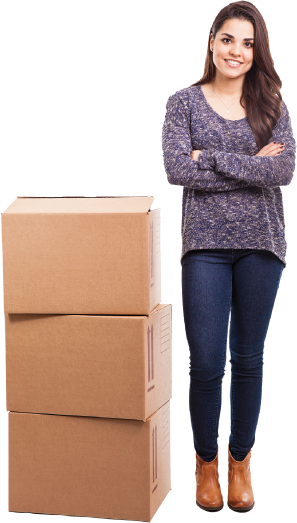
{"x":231,"y":50}
{"x":227,"y":139}
{"x":242,"y":36}
{"x":233,"y":57}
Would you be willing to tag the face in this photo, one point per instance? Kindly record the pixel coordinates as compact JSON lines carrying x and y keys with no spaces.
{"x":234,"y":41}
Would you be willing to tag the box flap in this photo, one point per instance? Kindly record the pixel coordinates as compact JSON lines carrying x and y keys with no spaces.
{"x":159,"y":307}
{"x":68,"y":204}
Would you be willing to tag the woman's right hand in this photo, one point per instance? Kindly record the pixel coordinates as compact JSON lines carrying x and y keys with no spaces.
{"x":272,"y":149}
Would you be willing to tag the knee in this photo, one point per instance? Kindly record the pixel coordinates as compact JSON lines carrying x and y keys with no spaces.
{"x":206,"y":377}
{"x":247,"y":360}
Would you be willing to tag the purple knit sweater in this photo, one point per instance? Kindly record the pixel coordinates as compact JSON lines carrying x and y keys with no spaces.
{"x":231,"y":198}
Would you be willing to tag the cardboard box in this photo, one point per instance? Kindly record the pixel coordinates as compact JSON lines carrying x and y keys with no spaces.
{"x":93,"y":467}
{"x":110,"y":366}
{"x":81,"y":255}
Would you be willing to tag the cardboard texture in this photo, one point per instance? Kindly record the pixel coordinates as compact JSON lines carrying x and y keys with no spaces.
{"x":93,"y":467}
{"x":81,"y":256}
{"x":109,"y":366}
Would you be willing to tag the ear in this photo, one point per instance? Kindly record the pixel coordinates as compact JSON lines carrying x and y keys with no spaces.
{"x":211,"y":42}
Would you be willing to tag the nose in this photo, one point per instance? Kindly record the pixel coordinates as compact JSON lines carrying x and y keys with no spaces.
{"x":235,"y":50}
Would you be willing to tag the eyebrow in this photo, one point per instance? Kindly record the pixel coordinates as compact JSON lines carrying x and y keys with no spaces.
{"x":230,"y":36}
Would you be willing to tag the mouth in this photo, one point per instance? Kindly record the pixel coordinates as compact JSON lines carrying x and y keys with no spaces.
{"x":233,"y":63}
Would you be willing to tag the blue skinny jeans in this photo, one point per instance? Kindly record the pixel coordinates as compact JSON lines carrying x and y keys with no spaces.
{"x":215,"y":281}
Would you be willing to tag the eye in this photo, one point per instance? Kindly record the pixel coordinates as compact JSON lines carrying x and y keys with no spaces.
{"x":249,"y":46}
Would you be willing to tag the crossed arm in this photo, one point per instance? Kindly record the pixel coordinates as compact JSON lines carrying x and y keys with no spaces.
{"x":271,"y":149}
{"x":219,"y":171}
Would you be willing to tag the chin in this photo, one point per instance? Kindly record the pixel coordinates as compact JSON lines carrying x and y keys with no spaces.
{"x":232,"y":73}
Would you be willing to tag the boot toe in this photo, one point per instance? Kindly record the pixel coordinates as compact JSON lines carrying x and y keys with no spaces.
{"x":211,"y":507}
{"x":240,"y":507}
{"x":213,"y":502}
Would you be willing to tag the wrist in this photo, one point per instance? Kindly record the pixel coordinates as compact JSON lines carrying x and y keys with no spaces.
{"x":205,"y":160}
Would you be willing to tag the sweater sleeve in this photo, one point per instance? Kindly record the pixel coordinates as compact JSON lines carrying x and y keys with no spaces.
{"x":262,"y":171}
{"x":181,"y":169}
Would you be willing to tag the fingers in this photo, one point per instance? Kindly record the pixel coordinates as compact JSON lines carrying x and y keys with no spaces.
{"x":272,"y":149}
{"x":194,"y":154}
{"x":277,"y":149}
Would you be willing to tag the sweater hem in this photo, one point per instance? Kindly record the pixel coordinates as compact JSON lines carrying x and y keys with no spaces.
{"x":218,"y":246}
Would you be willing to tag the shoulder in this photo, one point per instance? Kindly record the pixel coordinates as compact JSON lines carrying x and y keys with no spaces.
{"x":284,"y":108}
{"x":181,"y":104}
{"x":184,"y":96}
{"x":283,"y":126}
{"x":284,"y":116}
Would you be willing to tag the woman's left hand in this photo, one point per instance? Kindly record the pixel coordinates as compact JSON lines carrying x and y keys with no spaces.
{"x":195,"y":154}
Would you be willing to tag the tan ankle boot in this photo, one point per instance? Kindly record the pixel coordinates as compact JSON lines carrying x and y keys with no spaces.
{"x":240,"y":492}
{"x":208,"y":492}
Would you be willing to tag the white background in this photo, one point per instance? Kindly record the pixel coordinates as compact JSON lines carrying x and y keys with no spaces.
{"x":83,"y":90}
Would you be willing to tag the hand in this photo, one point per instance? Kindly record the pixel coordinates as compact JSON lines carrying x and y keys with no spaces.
{"x":272,"y":149}
{"x":195,"y":154}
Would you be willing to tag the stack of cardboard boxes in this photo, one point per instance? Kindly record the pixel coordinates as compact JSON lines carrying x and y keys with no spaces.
{"x":88,"y":357}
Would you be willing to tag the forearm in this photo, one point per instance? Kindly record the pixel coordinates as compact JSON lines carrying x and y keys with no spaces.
{"x":217,"y":170}
{"x":262,"y":171}
{"x":182,"y":170}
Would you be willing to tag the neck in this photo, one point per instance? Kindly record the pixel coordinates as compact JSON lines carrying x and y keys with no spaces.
{"x":228,"y":87}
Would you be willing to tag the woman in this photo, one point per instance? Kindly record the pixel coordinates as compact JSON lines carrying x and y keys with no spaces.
{"x":227,"y":139}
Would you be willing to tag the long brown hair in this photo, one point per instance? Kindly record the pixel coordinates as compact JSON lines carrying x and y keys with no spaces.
{"x":261,"y":82}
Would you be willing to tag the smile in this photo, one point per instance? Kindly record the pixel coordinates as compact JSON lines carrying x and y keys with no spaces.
{"x":233,"y":63}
